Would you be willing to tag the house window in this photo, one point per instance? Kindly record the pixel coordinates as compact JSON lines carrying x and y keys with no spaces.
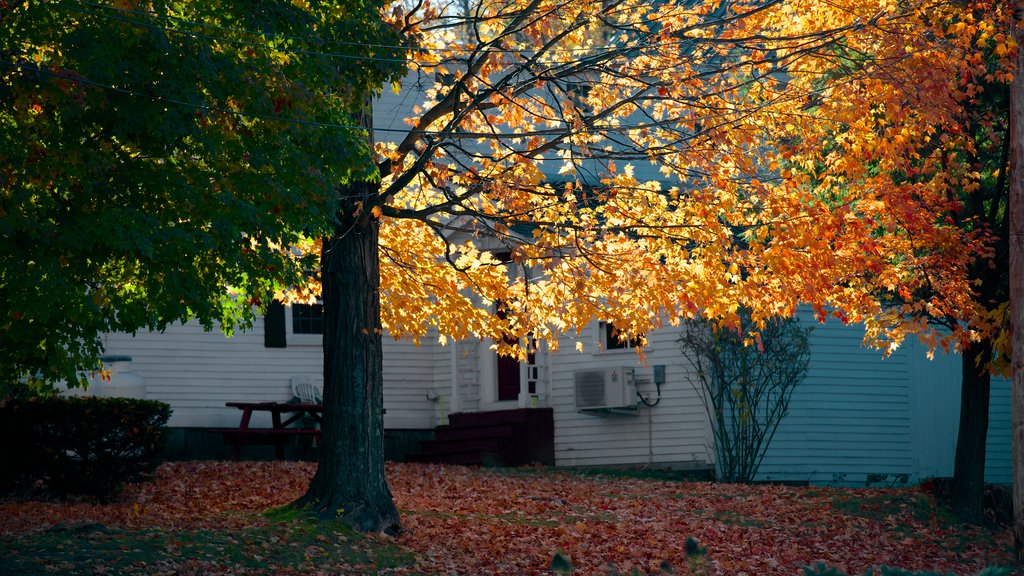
{"x":308,"y":318}
{"x":295,"y":325}
{"x":610,"y":338}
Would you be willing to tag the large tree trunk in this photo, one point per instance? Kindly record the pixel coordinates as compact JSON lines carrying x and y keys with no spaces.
{"x":1017,"y":281}
{"x":969,"y":468}
{"x":349,"y":481}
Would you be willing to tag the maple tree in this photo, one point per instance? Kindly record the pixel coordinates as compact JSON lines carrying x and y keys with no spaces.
{"x":154,"y":158}
{"x":938,"y":136}
{"x":935,"y":142}
{"x":646,"y":163}
{"x":582,"y":84}
{"x":985,"y":206}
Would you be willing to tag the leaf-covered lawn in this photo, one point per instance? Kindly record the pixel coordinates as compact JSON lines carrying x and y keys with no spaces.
{"x":208,"y":518}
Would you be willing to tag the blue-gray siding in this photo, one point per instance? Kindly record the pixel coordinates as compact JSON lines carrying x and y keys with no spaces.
{"x":859,"y":414}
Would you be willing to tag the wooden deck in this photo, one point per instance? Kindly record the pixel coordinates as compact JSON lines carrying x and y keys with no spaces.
{"x":499,"y":438}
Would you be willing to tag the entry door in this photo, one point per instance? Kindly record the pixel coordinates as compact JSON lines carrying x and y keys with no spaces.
{"x":508,"y":368}
{"x":508,"y":378}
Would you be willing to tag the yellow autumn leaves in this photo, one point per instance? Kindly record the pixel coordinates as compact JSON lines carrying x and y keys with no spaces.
{"x":640,"y":163}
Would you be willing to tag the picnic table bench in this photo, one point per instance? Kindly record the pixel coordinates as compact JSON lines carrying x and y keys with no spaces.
{"x":280,"y":432}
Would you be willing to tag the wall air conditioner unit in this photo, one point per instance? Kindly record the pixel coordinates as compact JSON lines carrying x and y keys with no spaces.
{"x":605,"y":388}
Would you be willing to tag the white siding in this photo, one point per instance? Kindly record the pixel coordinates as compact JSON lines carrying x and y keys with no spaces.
{"x":858,"y":413}
{"x":410,"y":382}
{"x":196,"y":372}
{"x":673,"y":433}
{"x":935,"y":398}
{"x":390,"y":110}
{"x":468,"y":365}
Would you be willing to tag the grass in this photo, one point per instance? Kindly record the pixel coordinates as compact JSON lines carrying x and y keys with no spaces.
{"x":729,"y":517}
{"x":880,"y":506}
{"x":295,"y":547}
{"x":597,"y":472}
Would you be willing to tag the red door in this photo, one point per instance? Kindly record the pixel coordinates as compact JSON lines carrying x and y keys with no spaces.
{"x":508,"y":378}
{"x":508,"y":367}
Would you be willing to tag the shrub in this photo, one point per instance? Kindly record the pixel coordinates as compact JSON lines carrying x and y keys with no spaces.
{"x":745,"y":386}
{"x":86,"y":446}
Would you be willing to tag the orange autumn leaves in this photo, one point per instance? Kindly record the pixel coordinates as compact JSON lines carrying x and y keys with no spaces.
{"x":477,"y":521}
{"x":645,"y":162}
{"x":894,"y":152}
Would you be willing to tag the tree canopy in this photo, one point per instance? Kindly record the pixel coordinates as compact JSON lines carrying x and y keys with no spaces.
{"x":646,"y":162}
{"x":574,"y":160}
{"x":643,"y":163}
{"x":543,"y":128}
{"x":155,"y":157}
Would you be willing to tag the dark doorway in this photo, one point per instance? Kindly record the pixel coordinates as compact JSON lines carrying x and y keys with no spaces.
{"x":508,"y":367}
{"x":508,"y":378}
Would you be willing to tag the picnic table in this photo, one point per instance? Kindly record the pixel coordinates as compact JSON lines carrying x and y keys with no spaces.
{"x":282,"y":416}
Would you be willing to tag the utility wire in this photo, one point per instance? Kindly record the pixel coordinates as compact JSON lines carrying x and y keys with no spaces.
{"x":153,"y":14}
{"x":468,"y":50}
{"x":240,"y":42}
{"x":299,"y":121}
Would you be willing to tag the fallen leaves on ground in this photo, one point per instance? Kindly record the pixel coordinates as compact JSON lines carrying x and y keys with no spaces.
{"x":462,"y":520}
{"x":182,"y":495}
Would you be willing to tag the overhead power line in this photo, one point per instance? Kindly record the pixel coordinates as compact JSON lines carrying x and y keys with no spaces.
{"x":468,"y":50}
{"x":271,"y":118}
{"x":236,"y":41}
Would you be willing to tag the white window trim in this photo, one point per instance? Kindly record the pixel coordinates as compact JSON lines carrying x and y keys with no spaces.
{"x":487,"y":364}
{"x":293,"y":339}
{"x":602,"y":343}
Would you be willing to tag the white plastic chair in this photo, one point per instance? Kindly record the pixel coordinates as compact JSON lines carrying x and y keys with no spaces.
{"x":307,"y":391}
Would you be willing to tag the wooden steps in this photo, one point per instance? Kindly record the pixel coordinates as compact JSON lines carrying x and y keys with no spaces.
{"x":499,"y":438}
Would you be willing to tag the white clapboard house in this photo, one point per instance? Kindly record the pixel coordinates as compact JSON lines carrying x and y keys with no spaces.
{"x":856,"y":415}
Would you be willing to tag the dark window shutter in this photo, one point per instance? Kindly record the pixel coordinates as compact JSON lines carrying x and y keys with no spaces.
{"x":273,"y":326}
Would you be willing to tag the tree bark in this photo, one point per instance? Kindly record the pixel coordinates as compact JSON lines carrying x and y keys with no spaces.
{"x":1017,"y":281}
{"x":349,"y":483}
{"x":968,"y":490}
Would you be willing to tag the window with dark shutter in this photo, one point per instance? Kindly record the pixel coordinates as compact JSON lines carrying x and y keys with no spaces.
{"x":274,"y":326}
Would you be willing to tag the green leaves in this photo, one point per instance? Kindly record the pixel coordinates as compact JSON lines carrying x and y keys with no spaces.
{"x":153,"y":165}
